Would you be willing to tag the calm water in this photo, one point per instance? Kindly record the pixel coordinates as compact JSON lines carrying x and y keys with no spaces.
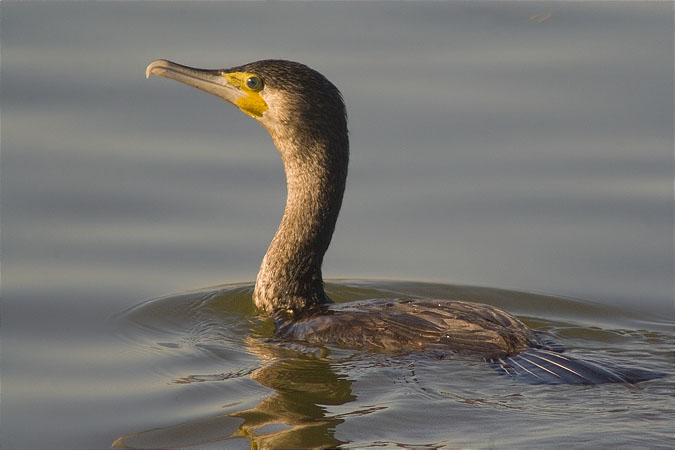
{"x":527,"y":147}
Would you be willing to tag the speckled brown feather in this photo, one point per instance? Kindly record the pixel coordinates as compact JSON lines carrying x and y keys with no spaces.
{"x":420,"y":324}
{"x":308,"y":124}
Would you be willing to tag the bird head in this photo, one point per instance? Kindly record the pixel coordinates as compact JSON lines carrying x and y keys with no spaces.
{"x":284,"y":96}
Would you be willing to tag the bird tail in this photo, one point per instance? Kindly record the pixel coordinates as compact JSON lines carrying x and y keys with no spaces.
{"x":543,"y":366}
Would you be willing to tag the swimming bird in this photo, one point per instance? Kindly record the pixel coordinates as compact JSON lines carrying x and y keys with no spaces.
{"x":305,"y":115}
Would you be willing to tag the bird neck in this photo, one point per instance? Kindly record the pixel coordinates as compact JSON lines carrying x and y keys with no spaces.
{"x":290,"y":277}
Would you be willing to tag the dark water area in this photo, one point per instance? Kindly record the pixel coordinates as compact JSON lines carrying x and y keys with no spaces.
{"x":525,"y":149}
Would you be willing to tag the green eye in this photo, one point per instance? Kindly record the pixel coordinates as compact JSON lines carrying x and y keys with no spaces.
{"x":254,"y":83}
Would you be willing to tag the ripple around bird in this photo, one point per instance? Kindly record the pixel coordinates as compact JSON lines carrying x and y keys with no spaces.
{"x":235,"y":382}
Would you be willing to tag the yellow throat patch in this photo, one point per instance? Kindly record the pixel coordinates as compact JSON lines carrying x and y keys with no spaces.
{"x":252,"y":103}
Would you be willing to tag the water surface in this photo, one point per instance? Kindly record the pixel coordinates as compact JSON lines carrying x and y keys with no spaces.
{"x":211,"y":348}
{"x":526,"y":147}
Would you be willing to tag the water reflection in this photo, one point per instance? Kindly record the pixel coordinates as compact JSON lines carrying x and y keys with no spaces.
{"x":302,"y":381}
{"x":293,"y":416}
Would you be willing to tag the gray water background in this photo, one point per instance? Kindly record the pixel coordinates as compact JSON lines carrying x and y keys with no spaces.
{"x":514,"y":145}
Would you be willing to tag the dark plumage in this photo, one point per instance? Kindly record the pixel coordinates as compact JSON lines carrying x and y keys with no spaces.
{"x":305,"y":115}
{"x":419,"y":325}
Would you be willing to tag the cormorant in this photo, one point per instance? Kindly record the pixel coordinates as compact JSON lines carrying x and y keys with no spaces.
{"x":306,"y":117}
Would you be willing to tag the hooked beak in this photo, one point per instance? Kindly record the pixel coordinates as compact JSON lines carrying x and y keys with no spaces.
{"x":211,"y":81}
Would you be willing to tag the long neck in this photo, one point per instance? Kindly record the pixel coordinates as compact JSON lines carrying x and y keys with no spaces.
{"x":290,"y":275}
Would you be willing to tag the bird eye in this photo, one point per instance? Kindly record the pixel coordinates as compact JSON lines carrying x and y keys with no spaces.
{"x":254,"y":83}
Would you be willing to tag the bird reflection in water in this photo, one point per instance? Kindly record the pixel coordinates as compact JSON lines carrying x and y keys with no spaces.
{"x":292,"y":416}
